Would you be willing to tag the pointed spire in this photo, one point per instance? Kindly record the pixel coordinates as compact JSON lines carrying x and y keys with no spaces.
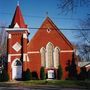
{"x":18,"y":18}
{"x":46,"y":14}
{"x":17,"y":3}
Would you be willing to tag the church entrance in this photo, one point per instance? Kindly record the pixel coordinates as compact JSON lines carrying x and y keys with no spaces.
{"x":16,"y":70}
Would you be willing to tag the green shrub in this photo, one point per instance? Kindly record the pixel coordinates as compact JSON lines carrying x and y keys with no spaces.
{"x":59,"y":72}
{"x":0,"y":77}
{"x":4,"y":76}
{"x":88,"y":75}
{"x":42,"y":73}
{"x":27,"y":75}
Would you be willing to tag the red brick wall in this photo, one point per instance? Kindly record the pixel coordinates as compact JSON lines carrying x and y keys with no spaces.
{"x":41,"y":38}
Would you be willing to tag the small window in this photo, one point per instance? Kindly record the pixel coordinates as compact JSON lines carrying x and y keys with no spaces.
{"x":48,"y":30}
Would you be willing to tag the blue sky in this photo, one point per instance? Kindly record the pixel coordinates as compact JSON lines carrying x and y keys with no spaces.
{"x":34,"y":12}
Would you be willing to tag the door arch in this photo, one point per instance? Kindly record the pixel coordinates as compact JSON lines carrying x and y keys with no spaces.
{"x":16,"y":69}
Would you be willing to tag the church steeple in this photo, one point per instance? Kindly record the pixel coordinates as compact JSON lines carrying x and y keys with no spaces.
{"x":18,"y":19}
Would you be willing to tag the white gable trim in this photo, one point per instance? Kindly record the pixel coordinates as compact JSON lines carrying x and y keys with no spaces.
{"x":16,"y":25}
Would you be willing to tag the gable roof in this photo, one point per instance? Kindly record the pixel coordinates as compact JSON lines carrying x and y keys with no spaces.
{"x":18,"y":19}
{"x":60,"y":34}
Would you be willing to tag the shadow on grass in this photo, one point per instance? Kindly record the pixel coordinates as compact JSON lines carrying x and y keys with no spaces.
{"x":61,"y":83}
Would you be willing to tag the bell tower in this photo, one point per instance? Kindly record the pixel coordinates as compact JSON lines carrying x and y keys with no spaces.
{"x":17,"y":45}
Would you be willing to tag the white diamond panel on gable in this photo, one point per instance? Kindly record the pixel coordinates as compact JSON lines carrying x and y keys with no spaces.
{"x":16,"y":46}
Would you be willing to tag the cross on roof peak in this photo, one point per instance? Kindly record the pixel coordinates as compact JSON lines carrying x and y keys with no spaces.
{"x":17,"y":3}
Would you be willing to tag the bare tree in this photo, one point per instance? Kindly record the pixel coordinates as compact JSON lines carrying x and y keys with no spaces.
{"x":3,"y":40}
{"x":84,"y":43}
{"x":70,"y":5}
{"x":3,"y":47}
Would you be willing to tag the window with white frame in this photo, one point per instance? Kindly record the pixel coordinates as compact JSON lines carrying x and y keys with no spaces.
{"x":43,"y":58}
{"x":56,"y":57}
{"x":50,"y":56}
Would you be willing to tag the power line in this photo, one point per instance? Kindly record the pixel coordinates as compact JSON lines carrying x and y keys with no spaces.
{"x":36,"y":16}
{"x":58,"y":28}
{"x":61,"y":28}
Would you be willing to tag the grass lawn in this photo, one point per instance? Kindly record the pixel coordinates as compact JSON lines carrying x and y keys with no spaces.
{"x":61,"y":83}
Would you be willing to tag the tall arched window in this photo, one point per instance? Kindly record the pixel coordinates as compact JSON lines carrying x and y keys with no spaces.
{"x":43,"y":56}
{"x":56,"y":57}
{"x":49,"y":55}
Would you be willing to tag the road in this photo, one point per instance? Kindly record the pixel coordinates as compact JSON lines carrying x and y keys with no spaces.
{"x":39,"y":88}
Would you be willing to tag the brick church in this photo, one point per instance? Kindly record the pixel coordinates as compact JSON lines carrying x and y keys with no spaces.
{"x":48,"y":48}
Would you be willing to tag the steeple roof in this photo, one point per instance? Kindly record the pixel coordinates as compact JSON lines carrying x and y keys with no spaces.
{"x":18,"y":19}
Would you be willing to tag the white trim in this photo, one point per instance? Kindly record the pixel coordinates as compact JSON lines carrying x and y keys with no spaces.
{"x":64,"y":51}
{"x":42,"y":49}
{"x":61,"y":51}
{"x":17,"y":46}
{"x":49,"y":43}
{"x":28,"y":59}
{"x":87,"y":65}
{"x":14,"y":54}
{"x":46,"y":55}
{"x":24,"y":57}
{"x":25,"y":35}
{"x":9,"y":35}
{"x":33,"y":52}
{"x":16,"y":29}
{"x":16,"y":25}
{"x":56,"y":55}
{"x":9,"y":58}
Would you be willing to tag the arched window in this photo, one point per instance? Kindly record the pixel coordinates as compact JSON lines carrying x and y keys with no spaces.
{"x":17,"y":63}
{"x":43,"y":58}
{"x":49,"y":55}
{"x":56,"y":57}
